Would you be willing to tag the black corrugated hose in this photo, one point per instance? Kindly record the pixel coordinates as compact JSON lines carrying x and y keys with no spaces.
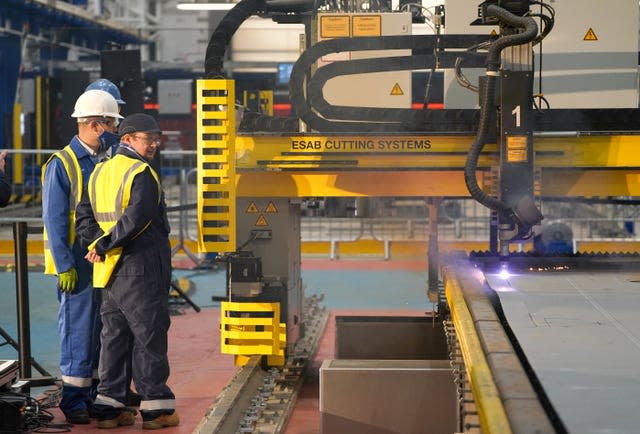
{"x":252,"y":121}
{"x":214,"y":59}
{"x":221,"y":37}
{"x":493,"y":64}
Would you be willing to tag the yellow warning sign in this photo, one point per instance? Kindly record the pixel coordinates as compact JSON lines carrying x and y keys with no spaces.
{"x":366,"y":25}
{"x":590,"y":35}
{"x":517,"y":149}
{"x":271,"y":208}
{"x":261,"y":221}
{"x":396,"y":90}
{"x":252,"y":208}
{"x":335,"y":26}
{"x":493,"y":33}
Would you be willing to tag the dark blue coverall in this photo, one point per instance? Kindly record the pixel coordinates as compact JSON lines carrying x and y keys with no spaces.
{"x":134,"y":310}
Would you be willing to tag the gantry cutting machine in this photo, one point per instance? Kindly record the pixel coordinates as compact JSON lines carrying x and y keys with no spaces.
{"x":507,"y":148}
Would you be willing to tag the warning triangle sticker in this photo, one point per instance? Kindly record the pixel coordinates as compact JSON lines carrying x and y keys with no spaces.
{"x":493,"y":33}
{"x":271,"y":208}
{"x":590,"y":35}
{"x":261,"y":221}
{"x":252,"y":208}
{"x":396,"y":90}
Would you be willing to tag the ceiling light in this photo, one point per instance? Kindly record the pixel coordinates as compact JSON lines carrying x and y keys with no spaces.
{"x":205,"y":6}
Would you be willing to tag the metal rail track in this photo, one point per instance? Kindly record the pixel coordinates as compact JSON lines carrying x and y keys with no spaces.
{"x":261,"y":401}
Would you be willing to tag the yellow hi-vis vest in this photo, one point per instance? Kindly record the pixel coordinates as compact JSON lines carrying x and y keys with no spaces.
{"x":109,"y":193}
{"x":72,"y":167}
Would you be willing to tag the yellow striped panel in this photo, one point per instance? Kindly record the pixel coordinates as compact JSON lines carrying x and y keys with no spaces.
{"x":249,"y":350}
{"x":215,"y":100}
{"x":216,"y":133}
{"x":18,"y":159}
{"x":215,"y":231}
{"x":248,"y":321}
{"x":239,"y":336}
{"x":215,"y":115}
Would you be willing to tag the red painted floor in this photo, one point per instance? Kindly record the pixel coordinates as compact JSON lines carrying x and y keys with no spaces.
{"x":198,"y":371}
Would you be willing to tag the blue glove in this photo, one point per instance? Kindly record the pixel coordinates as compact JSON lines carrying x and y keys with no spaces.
{"x":67,"y":281}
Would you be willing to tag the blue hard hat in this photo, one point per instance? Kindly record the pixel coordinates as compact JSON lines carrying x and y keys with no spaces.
{"x":138,"y":122}
{"x":107,"y":86}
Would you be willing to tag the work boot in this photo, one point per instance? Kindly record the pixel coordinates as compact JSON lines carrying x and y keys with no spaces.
{"x":126,"y":417}
{"x":162,"y":421}
{"x":132,"y":399}
{"x":78,"y":417}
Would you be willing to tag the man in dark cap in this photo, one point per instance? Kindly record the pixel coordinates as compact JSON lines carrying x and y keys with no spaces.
{"x":122,"y":219}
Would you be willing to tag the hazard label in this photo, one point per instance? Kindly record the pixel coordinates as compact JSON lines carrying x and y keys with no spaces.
{"x":271,"y":208}
{"x":252,"y":209}
{"x":493,"y":33}
{"x":335,"y":26}
{"x":517,"y":149}
{"x":396,"y":90}
{"x":590,"y":35}
{"x":261,"y":221}
{"x":366,"y":25}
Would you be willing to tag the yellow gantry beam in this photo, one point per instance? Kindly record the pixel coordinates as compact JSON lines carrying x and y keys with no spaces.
{"x":425,"y":165}
{"x":427,"y":183}
{"x":381,"y":183}
{"x":425,"y":152}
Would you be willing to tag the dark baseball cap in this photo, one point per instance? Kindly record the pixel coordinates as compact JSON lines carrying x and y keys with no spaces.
{"x":138,"y":122}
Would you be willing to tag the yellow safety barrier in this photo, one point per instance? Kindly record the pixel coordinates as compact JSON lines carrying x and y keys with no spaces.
{"x":18,"y":160}
{"x":249,"y":329}
{"x":216,"y":133}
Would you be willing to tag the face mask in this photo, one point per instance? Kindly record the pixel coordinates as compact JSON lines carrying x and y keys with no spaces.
{"x":108,"y":140}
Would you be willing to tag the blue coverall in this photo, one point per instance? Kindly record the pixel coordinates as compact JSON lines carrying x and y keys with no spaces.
{"x":78,"y":316}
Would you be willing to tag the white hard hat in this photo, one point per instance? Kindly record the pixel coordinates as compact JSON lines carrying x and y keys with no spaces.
{"x":96,"y":103}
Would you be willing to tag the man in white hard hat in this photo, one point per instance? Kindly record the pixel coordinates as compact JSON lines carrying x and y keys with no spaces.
{"x":111,"y":88}
{"x":64,"y":176}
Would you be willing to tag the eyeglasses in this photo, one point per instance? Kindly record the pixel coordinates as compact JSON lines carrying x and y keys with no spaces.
{"x":114,"y":122}
{"x":148,"y":140}
{"x":105,"y":121}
